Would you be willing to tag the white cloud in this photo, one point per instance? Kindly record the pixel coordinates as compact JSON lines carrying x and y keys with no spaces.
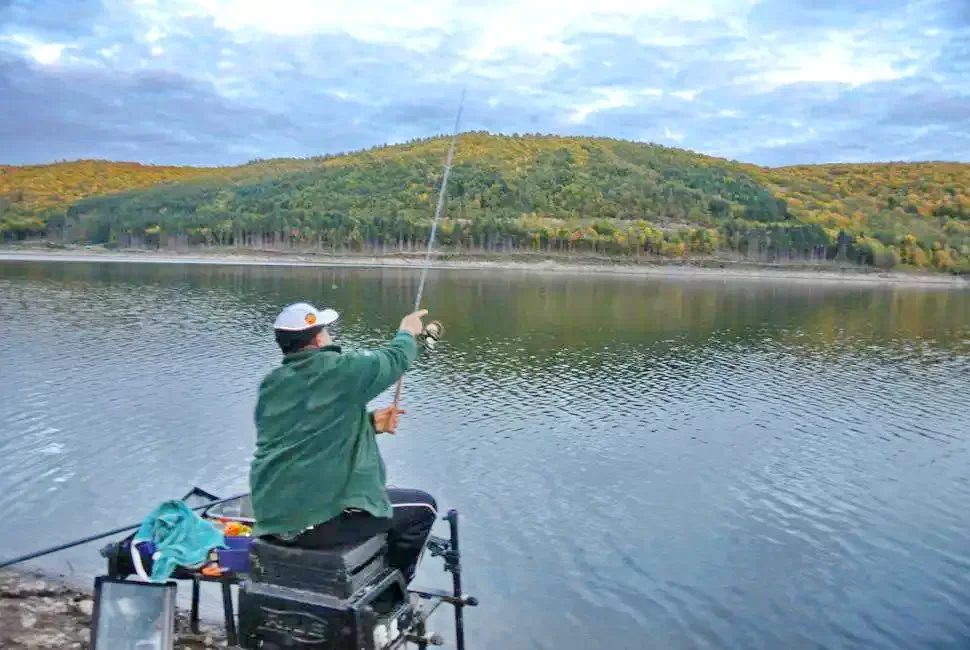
{"x":533,"y":28}
{"x":687,"y":95}
{"x":47,"y":53}
{"x":673,"y":135}
{"x":838,"y":68}
{"x":610,"y":98}
{"x":41,"y":52}
{"x":530,"y":40}
{"x":697,"y":73}
{"x":109,"y":52}
{"x":843,"y":58}
{"x":379,"y":20}
{"x":774,"y":143}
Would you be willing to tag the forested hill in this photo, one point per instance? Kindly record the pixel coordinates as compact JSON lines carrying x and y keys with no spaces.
{"x":511,"y":192}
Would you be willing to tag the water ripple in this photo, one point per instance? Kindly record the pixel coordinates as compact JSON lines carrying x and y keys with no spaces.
{"x":639,"y":464}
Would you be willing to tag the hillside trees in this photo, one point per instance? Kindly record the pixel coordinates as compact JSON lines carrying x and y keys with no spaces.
{"x":536,"y":193}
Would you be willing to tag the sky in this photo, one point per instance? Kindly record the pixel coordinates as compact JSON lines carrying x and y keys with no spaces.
{"x":221,"y":82}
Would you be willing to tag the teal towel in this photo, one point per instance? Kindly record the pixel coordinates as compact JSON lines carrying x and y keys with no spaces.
{"x":181,"y":538}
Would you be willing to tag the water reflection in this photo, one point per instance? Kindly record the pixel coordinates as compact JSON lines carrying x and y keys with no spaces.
{"x":697,"y":463}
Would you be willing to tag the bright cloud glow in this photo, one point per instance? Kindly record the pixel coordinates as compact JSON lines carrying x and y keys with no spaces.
{"x":45,"y":53}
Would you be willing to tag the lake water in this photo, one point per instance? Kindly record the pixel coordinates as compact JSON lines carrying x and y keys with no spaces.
{"x":639,"y":463}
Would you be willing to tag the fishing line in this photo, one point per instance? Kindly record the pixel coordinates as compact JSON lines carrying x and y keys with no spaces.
{"x":434,"y":228}
{"x":441,"y":203}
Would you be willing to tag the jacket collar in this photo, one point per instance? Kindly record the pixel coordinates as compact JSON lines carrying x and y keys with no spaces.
{"x":304,"y":354}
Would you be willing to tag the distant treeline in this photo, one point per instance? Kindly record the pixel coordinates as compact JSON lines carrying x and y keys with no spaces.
{"x":514,"y":193}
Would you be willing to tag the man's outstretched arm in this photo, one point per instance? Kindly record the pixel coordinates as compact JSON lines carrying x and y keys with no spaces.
{"x":374,"y":371}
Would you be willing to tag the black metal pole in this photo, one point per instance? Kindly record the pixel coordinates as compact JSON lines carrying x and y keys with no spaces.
{"x":227,"y":610}
{"x":92,"y":538}
{"x":421,"y":630}
{"x":194,"y":612}
{"x":452,"y":518}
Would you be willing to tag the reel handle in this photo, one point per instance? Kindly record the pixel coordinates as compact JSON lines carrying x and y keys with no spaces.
{"x":432,"y":334}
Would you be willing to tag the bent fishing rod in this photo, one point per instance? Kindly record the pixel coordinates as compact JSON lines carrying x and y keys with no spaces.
{"x":434,"y":329}
{"x":93,"y":538}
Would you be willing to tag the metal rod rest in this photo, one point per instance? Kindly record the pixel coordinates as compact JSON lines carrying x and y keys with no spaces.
{"x":453,"y":564}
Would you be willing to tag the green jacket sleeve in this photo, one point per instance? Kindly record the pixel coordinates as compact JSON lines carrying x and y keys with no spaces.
{"x":374,"y":371}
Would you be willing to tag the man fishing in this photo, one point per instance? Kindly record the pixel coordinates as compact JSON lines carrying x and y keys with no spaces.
{"x":317,"y":477}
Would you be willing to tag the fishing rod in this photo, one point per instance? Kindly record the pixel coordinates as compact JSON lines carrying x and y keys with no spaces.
{"x":434,"y":330}
{"x":92,"y":538}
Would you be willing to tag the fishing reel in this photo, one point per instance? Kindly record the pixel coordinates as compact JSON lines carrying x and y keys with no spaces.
{"x":431,"y":334}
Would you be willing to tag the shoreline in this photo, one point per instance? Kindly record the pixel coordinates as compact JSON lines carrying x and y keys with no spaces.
{"x":41,"y":610}
{"x":523,"y":262}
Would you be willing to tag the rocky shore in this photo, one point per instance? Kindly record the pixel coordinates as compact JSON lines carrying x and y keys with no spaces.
{"x":38,"y":612}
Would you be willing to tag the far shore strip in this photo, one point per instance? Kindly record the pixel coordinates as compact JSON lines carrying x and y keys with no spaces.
{"x":824,"y":274}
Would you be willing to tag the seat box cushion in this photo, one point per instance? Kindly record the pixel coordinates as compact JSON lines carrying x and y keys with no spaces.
{"x":339,"y":572}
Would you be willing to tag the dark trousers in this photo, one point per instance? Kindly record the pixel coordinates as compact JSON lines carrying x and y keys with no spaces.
{"x":407,"y":531}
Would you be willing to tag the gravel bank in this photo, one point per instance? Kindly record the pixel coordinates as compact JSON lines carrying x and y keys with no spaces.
{"x":38,"y":612}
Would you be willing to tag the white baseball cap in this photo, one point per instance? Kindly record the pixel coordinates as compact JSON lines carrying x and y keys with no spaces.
{"x":302,"y":316}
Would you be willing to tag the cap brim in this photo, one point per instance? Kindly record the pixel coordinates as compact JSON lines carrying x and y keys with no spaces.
{"x":328,"y":317}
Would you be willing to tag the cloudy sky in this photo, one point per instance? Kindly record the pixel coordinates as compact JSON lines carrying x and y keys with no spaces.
{"x":222,"y":81}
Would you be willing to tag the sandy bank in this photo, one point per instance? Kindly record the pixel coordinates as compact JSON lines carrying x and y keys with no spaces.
{"x":709,"y":269}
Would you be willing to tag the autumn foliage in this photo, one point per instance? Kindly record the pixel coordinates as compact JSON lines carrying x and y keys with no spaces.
{"x":531,"y":192}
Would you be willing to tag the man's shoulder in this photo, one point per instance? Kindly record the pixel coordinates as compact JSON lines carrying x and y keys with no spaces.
{"x":352,"y":362}
{"x":366,"y":357}
{"x":287,"y":371}
{"x":271,"y":380}
{"x":329,"y":365}
{"x":356,"y":355}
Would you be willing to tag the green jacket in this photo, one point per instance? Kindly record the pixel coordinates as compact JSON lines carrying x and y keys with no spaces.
{"x":316,"y":447}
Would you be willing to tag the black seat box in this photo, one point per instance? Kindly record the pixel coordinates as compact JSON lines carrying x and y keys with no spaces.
{"x":338,"y":572}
